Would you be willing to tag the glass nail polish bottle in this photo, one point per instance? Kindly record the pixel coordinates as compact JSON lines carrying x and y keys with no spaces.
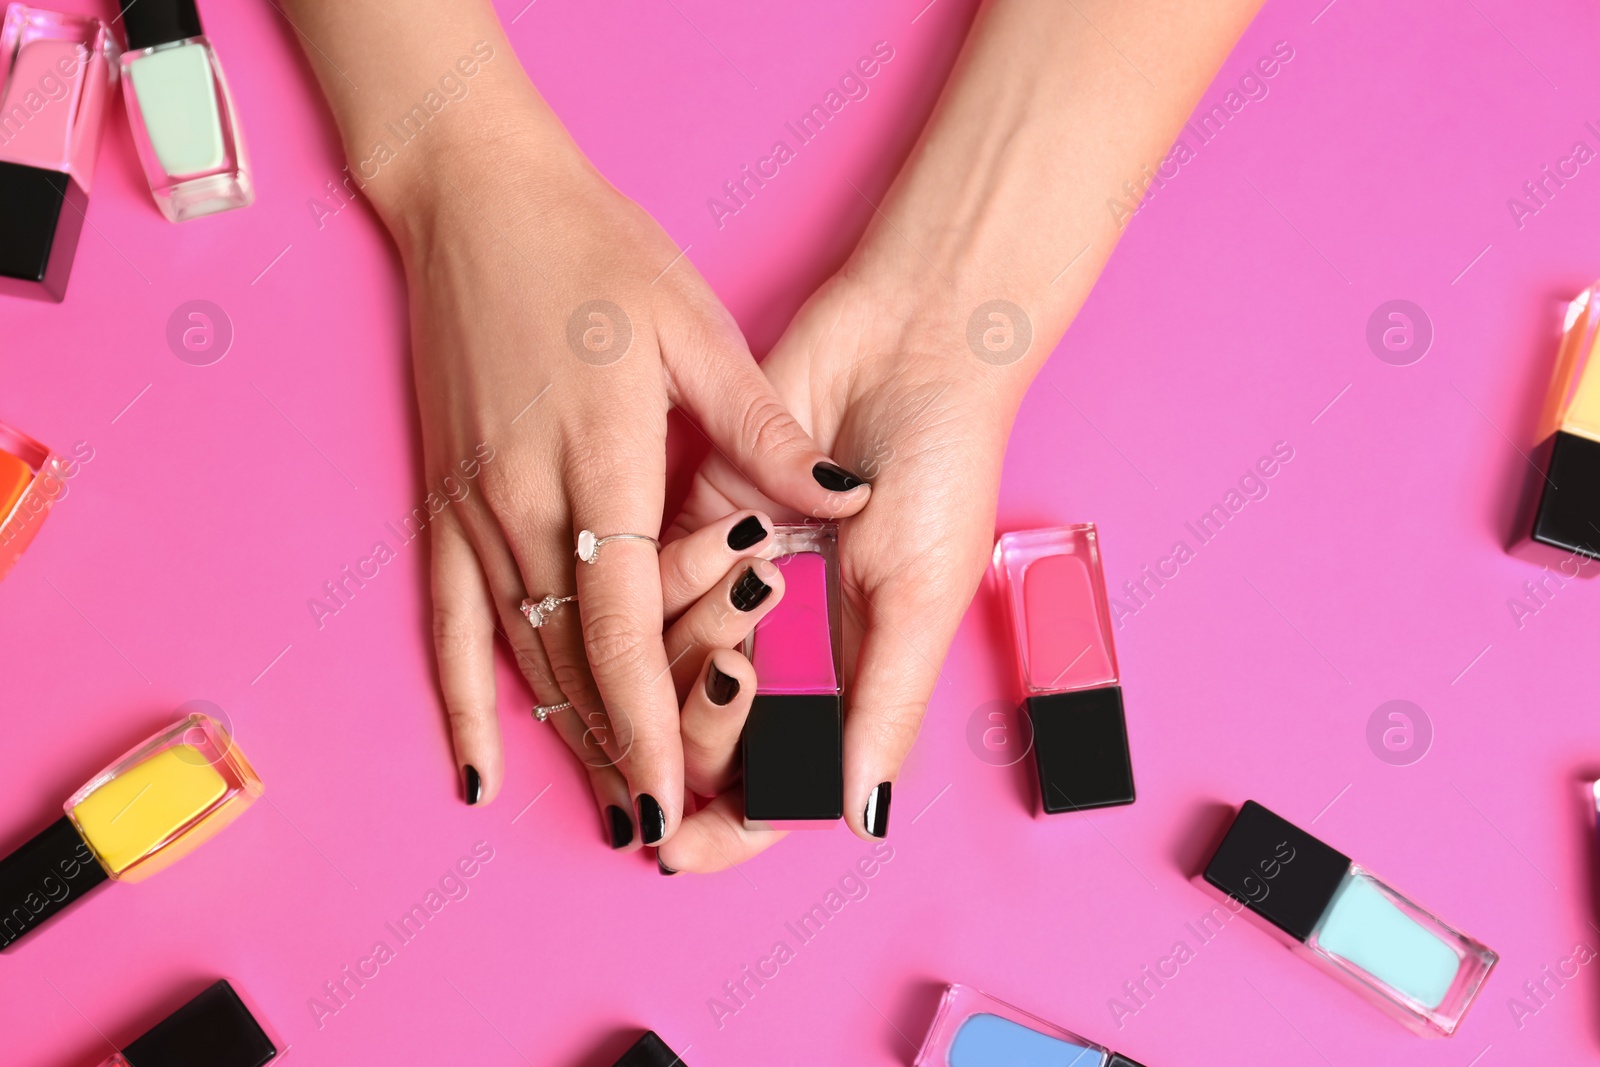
{"x":140,"y":815}
{"x":183,"y":119}
{"x":1415,"y":966}
{"x":650,"y":1051}
{"x":31,"y":481}
{"x":56,"y":73}
{"x":214,"y":1029}
{"x":1568,"y":516}
{"x":1055,"y":597}
{"x":793,"y":743}
{"x":973,"y":1029}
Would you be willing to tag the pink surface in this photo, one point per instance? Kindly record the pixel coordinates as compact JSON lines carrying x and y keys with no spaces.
{"x":1066,"y":649}
{"x":794,"y":647}
{"x":1368,"y":568}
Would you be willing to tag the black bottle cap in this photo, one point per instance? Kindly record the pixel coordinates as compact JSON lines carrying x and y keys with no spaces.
{"x":650,"y":1051}
{"x":52,"y":870}
{"x":41,"y":216}
{"x":151,"y":22}
{"x":214,"y":1029}
{"x":794,"y":758}
{"x":1569,"y":507}
{"x":1080,"y":745}
{"x":1119,"y":1060}
{"x":1277,"y":870}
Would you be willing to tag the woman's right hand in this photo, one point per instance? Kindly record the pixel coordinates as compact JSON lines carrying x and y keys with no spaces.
{"x":553,"y":323}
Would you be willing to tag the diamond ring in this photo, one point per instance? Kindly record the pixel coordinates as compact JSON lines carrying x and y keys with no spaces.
{"x":544,"y":711}
{"x":539,"y":611}
{"x":589,"y":545}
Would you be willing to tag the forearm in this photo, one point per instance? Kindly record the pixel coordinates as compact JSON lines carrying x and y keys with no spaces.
{"x":1042,"y":122}
{"x":418,"y":88}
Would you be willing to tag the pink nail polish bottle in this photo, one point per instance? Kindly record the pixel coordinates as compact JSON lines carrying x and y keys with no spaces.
{"x":793,"y":743}
{"x":1055,"y":597}
{"x":56,"y":73}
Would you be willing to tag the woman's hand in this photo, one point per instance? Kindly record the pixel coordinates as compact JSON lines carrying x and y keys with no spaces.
{"x":887,"y":381}
{"x":555,"y":323}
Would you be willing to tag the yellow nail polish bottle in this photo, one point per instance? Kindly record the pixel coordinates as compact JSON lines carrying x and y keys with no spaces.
{"x":146,"y":811}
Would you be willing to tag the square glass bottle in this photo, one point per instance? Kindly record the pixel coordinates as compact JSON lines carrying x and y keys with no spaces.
{"x":1415,"y":966}
{"x":1060,"y":619}
{"x":973,"y":1029}
{"x":146,"y":811}
{"x":56,"y":73}
{"x":184,"y":123}
{"x":32,"y":479}
{"x":793,"y":742}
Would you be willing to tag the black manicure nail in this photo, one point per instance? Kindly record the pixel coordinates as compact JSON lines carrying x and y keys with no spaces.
{"x":721,"y":688}
{"x":877,"y":815}
{"x":664,"y":868}
{"x":652,"y":820}
{"x":749,"y":591}
{"x":621,"y":827}
{"x":474,"y":784}
{"x":834,"y":478}
{"x":746,"y":532}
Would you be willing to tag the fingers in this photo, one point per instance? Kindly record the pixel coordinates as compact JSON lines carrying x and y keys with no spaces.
{"x":714,"y":838}
{"x":691,"y":565}
{"x":620,"y":605}
{"x":893,"y":680}
{"x":722,"y":386}
{"x":713,"y":717}
{"x":610,"y":788}
{"x":463,"y":641}
{"x":722,"y":618}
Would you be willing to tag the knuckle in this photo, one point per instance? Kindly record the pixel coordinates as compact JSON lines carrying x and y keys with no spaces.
{"x":767,"y":427}
{"x":572,"y":679}
{"x":455,"y":631}
{"x":892,"y":729}
{"x":613,"y":642}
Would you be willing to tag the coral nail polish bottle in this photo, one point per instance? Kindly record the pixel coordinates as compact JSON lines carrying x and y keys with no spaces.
{"x":1055,"y":596}
{"x":31,"y":481}
{"x":183,"y":119}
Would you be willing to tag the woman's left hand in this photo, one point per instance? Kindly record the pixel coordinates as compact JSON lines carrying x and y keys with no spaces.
{"x":900,"y":398}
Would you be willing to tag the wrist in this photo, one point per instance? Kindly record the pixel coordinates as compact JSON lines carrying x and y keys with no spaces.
{"x":439,"y":149}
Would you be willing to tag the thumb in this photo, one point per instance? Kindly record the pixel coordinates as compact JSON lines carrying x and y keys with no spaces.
{"x":724,"y":390}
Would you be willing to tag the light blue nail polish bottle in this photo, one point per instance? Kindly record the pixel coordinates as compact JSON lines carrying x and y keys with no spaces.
{"x":1406,"y":960}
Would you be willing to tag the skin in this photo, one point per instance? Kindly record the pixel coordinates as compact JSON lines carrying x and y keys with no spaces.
{"x":1041,"y":121}
{"x":506,"y":233}
{"x":505,"y":230}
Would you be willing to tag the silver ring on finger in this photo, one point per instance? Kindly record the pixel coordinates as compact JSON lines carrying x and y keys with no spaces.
{"x":589,"y":545}
{"x":544,"y":711}
{"x":539,"y":611}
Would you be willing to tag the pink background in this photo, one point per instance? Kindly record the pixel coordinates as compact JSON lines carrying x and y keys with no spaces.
{"x":180,"y":564}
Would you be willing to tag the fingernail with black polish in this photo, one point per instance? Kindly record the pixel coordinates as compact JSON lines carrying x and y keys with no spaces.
{"x":746,"y":532}
{"x":474,"y":784}
{"x":877,"y":815}
{"x":834,"y":478}
{"x":652,"y":820}
{"x":749,"y":591}
{"x":621,"y":827}
{"x":663,"y":867}
{"x":721,"y":688}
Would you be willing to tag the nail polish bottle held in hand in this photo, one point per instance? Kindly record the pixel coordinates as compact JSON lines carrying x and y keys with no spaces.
{"x":182,"y":116}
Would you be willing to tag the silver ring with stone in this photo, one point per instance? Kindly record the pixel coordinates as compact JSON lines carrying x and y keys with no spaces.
{"x":539,"y":611}
{"x":544,"y":711}
{"x":589,"y":545}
